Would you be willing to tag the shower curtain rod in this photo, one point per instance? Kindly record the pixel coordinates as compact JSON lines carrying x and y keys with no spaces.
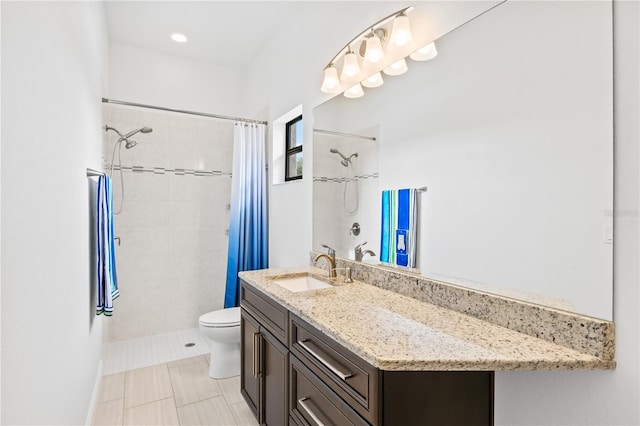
{"x":181,"y":111}
{"x":349,"y":135}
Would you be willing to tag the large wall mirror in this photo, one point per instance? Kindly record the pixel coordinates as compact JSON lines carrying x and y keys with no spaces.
{"x":510,"y":128}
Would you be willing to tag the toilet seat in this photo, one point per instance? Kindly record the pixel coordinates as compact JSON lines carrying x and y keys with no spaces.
{"x":222,"y":318}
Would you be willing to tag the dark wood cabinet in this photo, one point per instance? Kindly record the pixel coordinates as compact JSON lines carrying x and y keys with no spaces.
{"x":452,"y":398}
{"x":249,"y":380}
{"x":275,"y":376}
{"x":313,"y":402}
{"x":264,"y":372}
{"x":346,"y":374}
{"x":292,"y":373}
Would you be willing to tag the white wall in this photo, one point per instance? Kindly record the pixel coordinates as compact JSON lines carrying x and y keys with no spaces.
{"x":282,"y":77}
{"x":53,"y":65}
{"x":155,"y":78}
{"x":600,"y":397}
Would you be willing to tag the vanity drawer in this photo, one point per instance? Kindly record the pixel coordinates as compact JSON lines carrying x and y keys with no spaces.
{"x":353,"y":379}
{"x":313,"y":403}
{"x":271,"y":315}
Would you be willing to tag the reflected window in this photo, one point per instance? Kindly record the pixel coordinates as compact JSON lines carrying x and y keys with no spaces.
{"x":293,"y":148}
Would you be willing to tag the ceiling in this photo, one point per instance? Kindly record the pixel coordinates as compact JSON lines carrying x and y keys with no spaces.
{"x":228,"y":33}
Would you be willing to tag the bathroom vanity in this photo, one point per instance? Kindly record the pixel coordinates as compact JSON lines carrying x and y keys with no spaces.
{"x":355,"y":353}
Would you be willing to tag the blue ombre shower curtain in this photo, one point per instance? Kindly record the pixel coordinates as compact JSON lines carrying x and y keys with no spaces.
{"x":248,"y":224}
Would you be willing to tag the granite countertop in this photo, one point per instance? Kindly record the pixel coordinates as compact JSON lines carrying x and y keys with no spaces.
{"x":396,"y":332}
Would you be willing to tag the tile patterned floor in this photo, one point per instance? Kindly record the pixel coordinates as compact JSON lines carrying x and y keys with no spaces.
{"x":146,"y":351}
{"x":175,"y":393}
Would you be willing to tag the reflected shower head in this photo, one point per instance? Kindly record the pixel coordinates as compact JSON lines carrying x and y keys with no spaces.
{"x":345,"y":160}
{"x":130,"y":144}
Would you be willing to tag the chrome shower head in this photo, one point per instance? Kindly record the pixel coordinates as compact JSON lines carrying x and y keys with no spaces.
{"x":125,"y":138}
{"x":345,"y":160}
{"x":142,"y":129}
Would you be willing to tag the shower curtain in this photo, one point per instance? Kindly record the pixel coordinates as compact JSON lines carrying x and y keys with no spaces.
{"x":248,"y":223}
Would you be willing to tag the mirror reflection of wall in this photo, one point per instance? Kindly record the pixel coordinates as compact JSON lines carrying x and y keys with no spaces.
{"x":345,"y":187}
{"x":510,"y":127}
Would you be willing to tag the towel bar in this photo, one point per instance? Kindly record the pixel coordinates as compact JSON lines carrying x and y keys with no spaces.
{"x":92,"y":173}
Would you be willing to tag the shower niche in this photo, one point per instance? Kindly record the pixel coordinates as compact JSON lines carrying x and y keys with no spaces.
{"x":345,"y":186}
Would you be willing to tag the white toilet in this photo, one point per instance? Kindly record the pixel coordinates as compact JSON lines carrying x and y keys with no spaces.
{"x":222,"y":327}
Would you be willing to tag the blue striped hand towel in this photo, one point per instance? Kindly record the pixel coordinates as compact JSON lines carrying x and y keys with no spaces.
{"x":398,"y":234}
{"x":107,"y":280}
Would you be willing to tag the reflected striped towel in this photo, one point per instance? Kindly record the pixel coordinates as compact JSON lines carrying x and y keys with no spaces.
{"x":398,"y":234}
{"x":107,"y":280}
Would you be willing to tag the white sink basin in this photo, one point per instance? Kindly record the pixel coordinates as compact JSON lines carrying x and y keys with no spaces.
{"x":301,"y":283}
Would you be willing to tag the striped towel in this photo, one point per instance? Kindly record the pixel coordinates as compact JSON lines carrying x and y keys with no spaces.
{"x":399,"y":227}
{"x":107,"y":279}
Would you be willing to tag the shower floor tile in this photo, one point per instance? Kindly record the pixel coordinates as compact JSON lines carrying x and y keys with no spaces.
{"x":147,"y":351}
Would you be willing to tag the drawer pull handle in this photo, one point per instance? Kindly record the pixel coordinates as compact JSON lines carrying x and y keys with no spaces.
{"x":334,"y":370}
{"x":256,"y":343}
{"x":311,"y":414}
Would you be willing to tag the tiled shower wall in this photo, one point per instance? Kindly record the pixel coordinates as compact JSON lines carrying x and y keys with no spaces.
{"x":331,"y":220}
{"x":172,"y":256}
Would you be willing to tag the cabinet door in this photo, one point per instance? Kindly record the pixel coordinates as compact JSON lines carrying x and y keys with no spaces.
{"x":249,"y":367}
{"x":275,"y":380}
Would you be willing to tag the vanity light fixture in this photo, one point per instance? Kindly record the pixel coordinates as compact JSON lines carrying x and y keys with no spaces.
{"x":331,"y":82}
{"x":401,"y":30}
{"x":374,"y":81}
{"x":373,"y":50}
{"x":179,"y":38}
{"x":396,"y":68}
{"x":350,"y":67}
{"x":425,"y":53}
{"x":382,"y":47}
{"x":354,"y":91}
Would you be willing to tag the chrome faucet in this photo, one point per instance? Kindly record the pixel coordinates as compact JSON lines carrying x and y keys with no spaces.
{"x":332,"y":263}
{"x":332,"y":254}
{"x":360,"y":254}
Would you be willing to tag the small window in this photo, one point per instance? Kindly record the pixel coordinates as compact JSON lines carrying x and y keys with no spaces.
{"x":293,"y":147}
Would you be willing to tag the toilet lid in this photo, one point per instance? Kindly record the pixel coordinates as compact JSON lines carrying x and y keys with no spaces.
{"x":229,"y":317}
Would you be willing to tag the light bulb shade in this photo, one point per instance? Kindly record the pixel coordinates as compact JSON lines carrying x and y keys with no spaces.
{"x":373,"y":51}
{"x":401,"y":31}
{"x":425,"y":53}
{"x":354,"y":91}
{"x":396,"y":68}
{"x":350,"y":67}
{"x":373,"y":81}
{"x":331,"y":82}
{"x":179,"y":38}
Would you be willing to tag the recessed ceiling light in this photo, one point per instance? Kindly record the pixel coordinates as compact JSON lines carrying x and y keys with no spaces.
{"x":180,"y":38}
